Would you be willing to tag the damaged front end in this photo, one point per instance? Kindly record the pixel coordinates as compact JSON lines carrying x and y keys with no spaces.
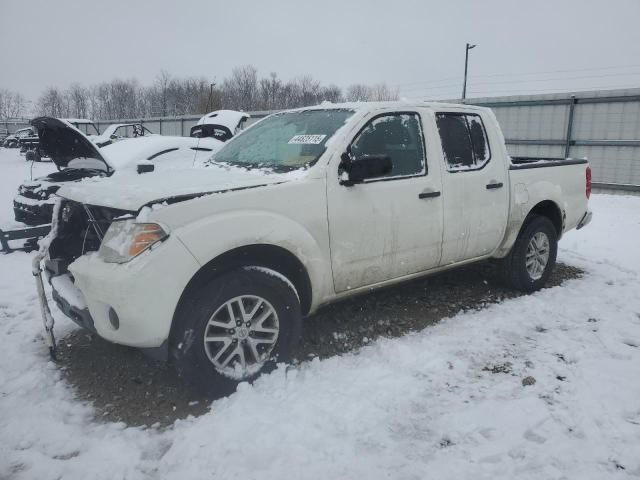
{"x":77,"y":230}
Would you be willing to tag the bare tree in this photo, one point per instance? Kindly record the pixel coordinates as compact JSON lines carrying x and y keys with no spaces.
{"x":381,"y":92}
{"x":240,"y":91}
{"x":357,"y":93}
{"x":12,"y":104}
{"x":168,"y":95}
{"x":332,"y":93}
{"x":78,"y":101}
{"x":52,"y":103}
{"x":270,"y":92}
{"x":162,"y":83}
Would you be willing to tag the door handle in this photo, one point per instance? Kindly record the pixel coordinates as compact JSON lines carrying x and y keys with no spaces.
{"x":494,"y":185}
{"x":428,"y":195}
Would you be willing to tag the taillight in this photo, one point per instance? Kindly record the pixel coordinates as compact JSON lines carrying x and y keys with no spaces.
{"x":588,"y":181}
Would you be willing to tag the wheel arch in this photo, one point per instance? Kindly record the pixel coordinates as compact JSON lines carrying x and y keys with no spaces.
{"x":268,"y":256}
{"x":549,"y":209}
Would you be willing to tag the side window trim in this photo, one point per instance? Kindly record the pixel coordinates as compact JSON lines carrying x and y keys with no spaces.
{"x":425,"y":168}
{"x":473,"y":152}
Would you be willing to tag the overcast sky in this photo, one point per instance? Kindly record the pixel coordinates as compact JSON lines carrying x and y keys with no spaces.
{"x":418,"y":46}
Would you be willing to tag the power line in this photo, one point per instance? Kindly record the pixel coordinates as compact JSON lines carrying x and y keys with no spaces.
{"x":537,"y":80}
{"x":440,"y":80}
{"x":564,"y":89}
{"x":500,"y":93}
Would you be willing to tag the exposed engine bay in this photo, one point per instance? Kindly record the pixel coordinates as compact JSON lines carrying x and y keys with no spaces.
{"x":79,"y":229}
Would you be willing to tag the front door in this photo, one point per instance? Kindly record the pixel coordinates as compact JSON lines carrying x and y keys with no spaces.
{"x":390,"y":226}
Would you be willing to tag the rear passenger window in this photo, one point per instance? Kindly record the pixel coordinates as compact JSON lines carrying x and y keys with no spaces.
{"x":398,"y":135}
{"x":464,"y":141}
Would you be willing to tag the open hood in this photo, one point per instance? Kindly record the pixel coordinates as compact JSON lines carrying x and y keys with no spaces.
{"x":64,"y":143}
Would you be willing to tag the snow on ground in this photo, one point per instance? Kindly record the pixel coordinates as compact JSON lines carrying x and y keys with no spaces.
{"x":423,"y":406}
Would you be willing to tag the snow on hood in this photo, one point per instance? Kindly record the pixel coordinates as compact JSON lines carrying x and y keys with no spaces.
{"x":64,"y":143}
{"x":133,"y":191}
{"x":130,"y":151}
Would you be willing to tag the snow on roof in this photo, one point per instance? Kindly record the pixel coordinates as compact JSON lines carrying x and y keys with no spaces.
{"x":226,"y":118}
{"x":372,"y":106}
{"x":76,"y":120}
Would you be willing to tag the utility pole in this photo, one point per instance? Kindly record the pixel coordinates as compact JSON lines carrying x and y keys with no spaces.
{"x":210,"y":100}
{"x":466,"y":64}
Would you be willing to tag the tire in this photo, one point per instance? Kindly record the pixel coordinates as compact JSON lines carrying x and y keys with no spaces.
{"x":513,"y":268}
{"x":194,"y":358}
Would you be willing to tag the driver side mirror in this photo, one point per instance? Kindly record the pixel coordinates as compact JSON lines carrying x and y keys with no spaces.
{"x":358,"y":169}
{"x":145,"y":167}
{"x":113,"y":136}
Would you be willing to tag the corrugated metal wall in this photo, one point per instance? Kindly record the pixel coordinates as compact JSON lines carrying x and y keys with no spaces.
{"x":604,"y":127}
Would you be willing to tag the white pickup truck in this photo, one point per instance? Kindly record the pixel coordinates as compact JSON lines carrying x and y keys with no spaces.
{"x":216,"y":267}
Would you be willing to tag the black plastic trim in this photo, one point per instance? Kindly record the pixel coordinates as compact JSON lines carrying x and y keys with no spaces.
{"x":547,"y":163}
{"x":428,"y":195}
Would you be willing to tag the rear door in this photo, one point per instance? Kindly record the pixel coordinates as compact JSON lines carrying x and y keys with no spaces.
{"x":390,"y":226}
{"x":475,"y":186}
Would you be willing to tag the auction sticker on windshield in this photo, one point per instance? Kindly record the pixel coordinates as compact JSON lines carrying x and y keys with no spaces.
{"x":306,"y":139}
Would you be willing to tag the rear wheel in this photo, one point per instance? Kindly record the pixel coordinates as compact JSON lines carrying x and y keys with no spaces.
{"x":234,"y":328}
{"x":533,"y":256}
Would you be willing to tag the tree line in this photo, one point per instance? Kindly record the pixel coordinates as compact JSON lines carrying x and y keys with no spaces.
{"x":12,"y":104}
{"x":243,"y":89}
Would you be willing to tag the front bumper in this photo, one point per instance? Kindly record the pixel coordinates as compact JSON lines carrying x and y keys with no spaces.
{"x":32,"y":212}
{"x":143,"y":293}
{"x":585,"y":220}
{"x":79,"y":315}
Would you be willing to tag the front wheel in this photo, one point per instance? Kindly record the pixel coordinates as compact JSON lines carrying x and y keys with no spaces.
{"x":533,"y":256}
{"x":235,"y":327}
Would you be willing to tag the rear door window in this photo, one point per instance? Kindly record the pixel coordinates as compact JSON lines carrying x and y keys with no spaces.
{"x":464,"y":141}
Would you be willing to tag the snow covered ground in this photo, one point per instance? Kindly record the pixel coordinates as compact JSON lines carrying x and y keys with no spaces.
{"x":447,"y":402}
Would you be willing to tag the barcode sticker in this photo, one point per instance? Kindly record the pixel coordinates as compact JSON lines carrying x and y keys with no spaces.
{"x":306,"y":139}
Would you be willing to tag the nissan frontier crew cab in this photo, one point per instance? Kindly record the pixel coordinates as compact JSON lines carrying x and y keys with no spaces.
{"x":214,"y":268}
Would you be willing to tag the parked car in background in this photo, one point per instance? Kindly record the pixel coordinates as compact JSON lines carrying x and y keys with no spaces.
{"x":13,"y":140}
{"x":120,"y":131}
{"x":221,"y":124}
{"x":215,"y":268}
{"x":77,"y":157}
{"x":86,"y":126}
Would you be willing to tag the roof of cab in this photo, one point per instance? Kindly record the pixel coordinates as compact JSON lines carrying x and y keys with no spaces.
{"x":373,"y":106}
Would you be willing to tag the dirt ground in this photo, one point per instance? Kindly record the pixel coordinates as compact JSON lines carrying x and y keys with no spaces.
{"x":124,"y":385}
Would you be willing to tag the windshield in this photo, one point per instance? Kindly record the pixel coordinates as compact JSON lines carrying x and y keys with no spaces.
{"x":284,"y":141}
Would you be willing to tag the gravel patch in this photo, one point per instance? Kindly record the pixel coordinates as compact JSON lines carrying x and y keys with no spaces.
{"x":125,"y":385}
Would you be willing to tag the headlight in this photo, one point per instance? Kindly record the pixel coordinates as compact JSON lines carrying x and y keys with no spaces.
{"x":127,"y":239}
